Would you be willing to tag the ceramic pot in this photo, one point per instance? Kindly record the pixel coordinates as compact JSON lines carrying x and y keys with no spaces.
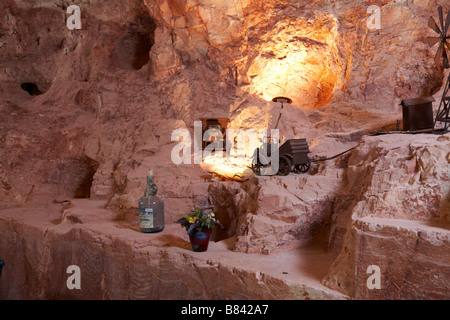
{"x":200,"y":240}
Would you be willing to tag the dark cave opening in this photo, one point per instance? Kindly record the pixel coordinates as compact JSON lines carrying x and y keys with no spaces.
{"x":31,"y":88}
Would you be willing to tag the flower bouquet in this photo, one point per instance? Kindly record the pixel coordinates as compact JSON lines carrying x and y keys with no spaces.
{"x":198,"y":225}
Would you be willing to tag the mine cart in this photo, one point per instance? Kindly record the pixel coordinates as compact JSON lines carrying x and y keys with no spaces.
{"x":293,"y":156}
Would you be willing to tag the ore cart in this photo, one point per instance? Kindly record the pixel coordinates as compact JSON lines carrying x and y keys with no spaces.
{"x":293,"y":157}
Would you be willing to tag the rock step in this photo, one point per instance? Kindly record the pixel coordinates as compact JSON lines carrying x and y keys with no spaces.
{"x":413,"y":258}
{"x":118,"y":262}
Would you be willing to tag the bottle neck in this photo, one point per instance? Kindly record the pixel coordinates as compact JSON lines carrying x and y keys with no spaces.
{"x":151,"y":189}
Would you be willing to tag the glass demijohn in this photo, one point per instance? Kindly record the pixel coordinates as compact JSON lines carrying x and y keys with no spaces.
{"x":151,"y":209}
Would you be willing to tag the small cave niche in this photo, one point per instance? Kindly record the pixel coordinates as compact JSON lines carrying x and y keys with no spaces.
{"x":131,"y":52}
{"x":73,"y":177}
{"x":31,"y":88}
{"x":225,"y":209}
{"x":228,"y":218}
{"x":88,"y":168}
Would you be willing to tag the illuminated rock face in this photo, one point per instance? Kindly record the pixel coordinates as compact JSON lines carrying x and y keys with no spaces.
{"x":295,"y":60}
{"x":312,"y":52}
{"x":294,"y":57}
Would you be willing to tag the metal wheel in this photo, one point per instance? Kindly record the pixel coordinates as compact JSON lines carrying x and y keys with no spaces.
{"x":284,"y":166}
{"x":256,"y":169}
{"x":302,"y":167}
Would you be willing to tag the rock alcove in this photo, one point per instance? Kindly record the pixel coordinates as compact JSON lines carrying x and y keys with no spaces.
{"x":131,"y":51}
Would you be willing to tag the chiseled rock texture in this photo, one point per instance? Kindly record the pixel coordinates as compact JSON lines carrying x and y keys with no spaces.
{"x":117,"y":261}
{"x":407,"y":243}
{"x":285,"y":212}
{"x":113,"y":92}
{"x":399,"y":177}
{"x":395,"y":214}
{"x":413,"y":258}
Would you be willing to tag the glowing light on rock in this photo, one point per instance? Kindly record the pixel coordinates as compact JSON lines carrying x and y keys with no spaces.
{"x":300,"y":75}
{"x":296,"y":61}
{"x":229,"y":168}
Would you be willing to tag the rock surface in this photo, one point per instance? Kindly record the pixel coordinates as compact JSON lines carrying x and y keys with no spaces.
{"x":106,"y":115}
{"x":394,"y":213}
{"x":412,"y":258}
{"x":117,"y":261}
{"x":288,"y":219}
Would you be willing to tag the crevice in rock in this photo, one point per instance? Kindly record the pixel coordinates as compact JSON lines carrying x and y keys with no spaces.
{"x":224,"y":209}
{"x":83,"y":189}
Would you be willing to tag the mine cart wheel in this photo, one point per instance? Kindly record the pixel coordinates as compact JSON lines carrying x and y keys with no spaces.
{"x":302,"y":167}
{"x":256,"y":169}
{"x":284,"y":166}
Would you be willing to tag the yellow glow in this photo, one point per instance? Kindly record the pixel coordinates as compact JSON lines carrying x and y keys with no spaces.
{"x":302,"y":77}
{"x":296,"y":61}
{"x":232,"y":168}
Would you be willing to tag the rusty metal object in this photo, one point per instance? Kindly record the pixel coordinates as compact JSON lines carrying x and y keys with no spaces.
{"x":442,"y":29}
{"x":281,"y":100}
{"x":297,"y":151}
{"x":293,"y":157}
{"x":443,"y":113}
{"x":417,"y":114}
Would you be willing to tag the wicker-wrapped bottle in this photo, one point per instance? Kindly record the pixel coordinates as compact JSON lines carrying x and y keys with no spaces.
{"x":151,"y":208}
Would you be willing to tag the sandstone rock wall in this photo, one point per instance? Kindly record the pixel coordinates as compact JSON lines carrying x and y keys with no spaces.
{"x":113,"y":91}
{"x":117,"y":262}
{"x":394,"y":214}
{"x":269,"y":215}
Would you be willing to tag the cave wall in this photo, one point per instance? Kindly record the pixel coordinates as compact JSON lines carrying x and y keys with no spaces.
{"x":114,"y":90}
